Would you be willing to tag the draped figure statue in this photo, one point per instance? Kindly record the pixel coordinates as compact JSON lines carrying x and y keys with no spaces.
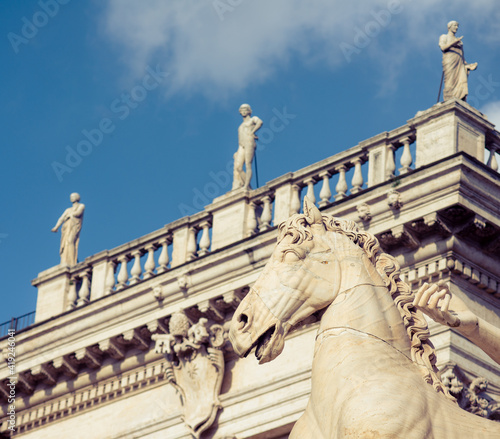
{"x":71,"y":222}
{"x":455,"y":69}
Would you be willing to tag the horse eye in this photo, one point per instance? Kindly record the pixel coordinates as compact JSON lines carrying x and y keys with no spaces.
{"x":291,"y":256}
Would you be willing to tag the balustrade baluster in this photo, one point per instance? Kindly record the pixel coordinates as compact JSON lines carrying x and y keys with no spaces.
{"x":406,"y":159}
{"x":72,"y":296}
{"x":163,"y":260}
{"x":267,"y":215}
{"x":149,"y":266}
{"x":251,"y":219}
{"x":390,"y":165}
{"x":325,"y":194}
{"x":135,"y":273}
{"x":357,"y":178}
{"x":205,"y":239}
{"x":492,"y":160}
{"x":84,"y":293}
{"x":341,"y":187}
{"x":123,"y":273}
{"x":191,"y":244}
{"x":110,"y":278}
{"x":295,"y":201}
{"x":310,"y":189}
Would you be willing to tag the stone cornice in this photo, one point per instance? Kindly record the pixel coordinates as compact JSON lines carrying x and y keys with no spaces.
{"x":451,"y":105}
{"x":87,"y":398}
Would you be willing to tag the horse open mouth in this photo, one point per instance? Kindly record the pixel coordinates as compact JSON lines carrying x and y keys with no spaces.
{"x":263,"y":342}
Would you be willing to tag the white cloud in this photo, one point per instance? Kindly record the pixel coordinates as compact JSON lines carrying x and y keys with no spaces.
{"x":218,"y":46}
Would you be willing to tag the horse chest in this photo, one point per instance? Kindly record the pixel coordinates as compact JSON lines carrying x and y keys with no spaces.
{"x":356,"y":388}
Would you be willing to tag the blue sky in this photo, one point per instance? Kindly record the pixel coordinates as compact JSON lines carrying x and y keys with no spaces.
{"x":162,"y":82}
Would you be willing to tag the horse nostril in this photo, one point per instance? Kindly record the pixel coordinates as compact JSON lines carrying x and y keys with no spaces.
{"x":243,"y":319}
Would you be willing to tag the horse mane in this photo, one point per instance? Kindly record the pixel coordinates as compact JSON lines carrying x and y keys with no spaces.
{"x":422,"y":350}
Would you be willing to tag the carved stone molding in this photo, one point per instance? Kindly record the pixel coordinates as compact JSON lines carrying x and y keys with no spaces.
{"x":158,"y":293}
{"x":456,"y":214}
{"x":399,"y":236}
{"x":69,"y":365}
{"x":364,"y":212}
{"x":480,"y":230}
{"x":428,"y":225}
{"x":471,"y":394}
{"x":184,"y":281}
{"x":89,"y":397}
{"x":442,"y":266}
{"x":394,"y":200}
{"x":195,"y":368}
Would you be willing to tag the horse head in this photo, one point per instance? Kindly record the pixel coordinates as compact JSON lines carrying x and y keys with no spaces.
{"x":302,"y":276}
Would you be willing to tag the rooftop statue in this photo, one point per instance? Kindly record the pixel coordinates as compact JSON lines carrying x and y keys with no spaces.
{"x":246,"y":148}
{"x":373,"y":372}
{"x":71,"y":222}
{"x":455,"y":69}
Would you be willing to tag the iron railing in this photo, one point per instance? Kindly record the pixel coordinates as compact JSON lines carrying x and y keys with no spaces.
{"x":17,"y":323}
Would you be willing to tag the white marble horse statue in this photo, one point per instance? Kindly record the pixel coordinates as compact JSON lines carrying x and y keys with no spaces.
{"x":373,"y":372}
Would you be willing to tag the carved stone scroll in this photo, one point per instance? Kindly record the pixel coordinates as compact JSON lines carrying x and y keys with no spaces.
{"x":472,"y":396}
{"x":195,"y":368}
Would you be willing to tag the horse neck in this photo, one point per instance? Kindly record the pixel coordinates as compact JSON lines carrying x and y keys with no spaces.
{"x":365,"y":304}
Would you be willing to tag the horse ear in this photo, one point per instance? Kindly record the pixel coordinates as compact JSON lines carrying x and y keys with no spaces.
{"x":312,"y":212}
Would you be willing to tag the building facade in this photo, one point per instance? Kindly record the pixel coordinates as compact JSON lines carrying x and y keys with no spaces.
{"x":132,"y":342}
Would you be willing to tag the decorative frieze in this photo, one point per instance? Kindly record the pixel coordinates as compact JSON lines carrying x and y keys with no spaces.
{"x":428,"y":225}
{"x":472,"y":394}
{"x":91,"y":396}
{"x":399,"y":236}
{"x":436,"y":268}
{"x":117,"y":346}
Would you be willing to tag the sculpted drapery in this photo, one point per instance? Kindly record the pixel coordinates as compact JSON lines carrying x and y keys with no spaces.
{"x":455,"y":69}
{"x":71,"y":222}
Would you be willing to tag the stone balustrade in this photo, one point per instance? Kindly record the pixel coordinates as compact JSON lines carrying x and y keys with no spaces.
{"x":341,"y":176}
{"x":493,"y":147}
{"x":114,"y":270}
{"x":437,"y":133}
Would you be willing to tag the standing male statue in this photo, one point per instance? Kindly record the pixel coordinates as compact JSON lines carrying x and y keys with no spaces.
{"x":246,"y":148}
{"x":455,"y":69}
{"x":71,"y":221}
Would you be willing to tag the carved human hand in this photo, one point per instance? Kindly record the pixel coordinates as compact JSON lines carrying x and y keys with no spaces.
{"x":439,"y":304}
{"x":54,"y":229}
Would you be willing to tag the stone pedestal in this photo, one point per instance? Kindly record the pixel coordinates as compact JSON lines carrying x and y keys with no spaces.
{"x":53,"y":286}
{"x":230,"y":214}
{"x":447,"y":128}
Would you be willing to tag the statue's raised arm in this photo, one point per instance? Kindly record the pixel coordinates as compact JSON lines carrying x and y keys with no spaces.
{"x":439,"y":304}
